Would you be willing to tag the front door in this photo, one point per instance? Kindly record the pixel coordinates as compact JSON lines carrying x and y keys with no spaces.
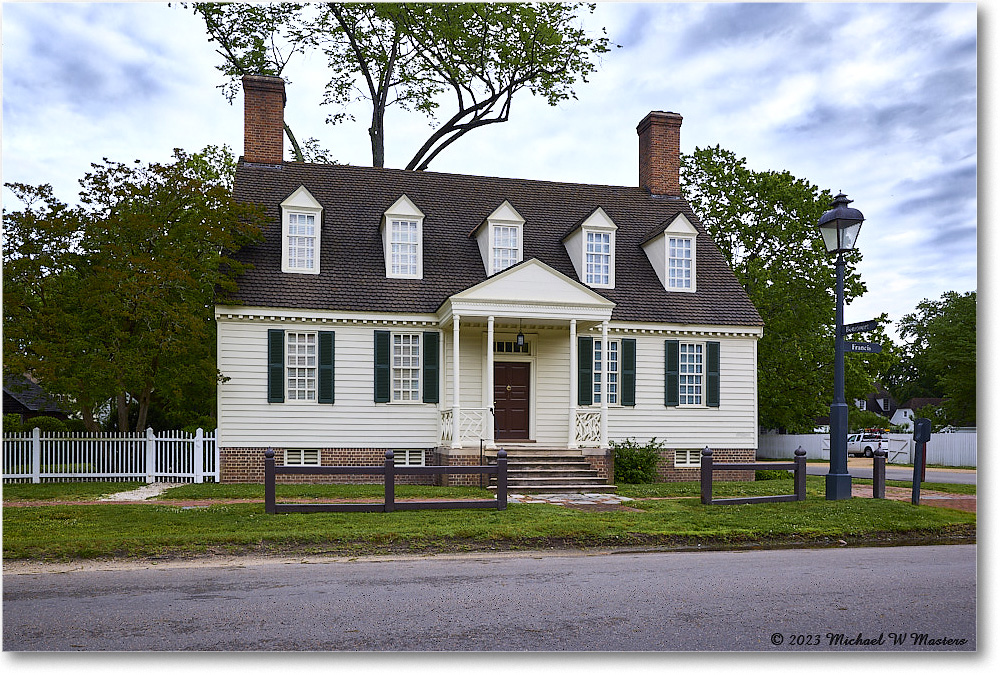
{"x":511,"y":396}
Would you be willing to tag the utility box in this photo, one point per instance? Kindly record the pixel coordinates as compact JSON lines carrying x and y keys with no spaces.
{"x":921,"y":430}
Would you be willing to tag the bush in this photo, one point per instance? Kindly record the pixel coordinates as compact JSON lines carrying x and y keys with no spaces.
{"x":46,"y":424}
{"x":772,"y":474}
{"x":636,"y":463}
{"x":12,"y":424}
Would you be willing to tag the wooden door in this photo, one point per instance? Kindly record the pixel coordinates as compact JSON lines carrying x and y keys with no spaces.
{"x":511,"y":399}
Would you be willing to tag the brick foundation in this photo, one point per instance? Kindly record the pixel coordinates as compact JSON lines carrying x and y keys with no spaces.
{"x":603,"y":464}
{"x":449,"y":480}
{"x":666,"y":472}
{"x":246,"y":465}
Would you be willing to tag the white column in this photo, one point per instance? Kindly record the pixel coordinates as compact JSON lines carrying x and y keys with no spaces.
{"x":573,"y":385}
{"x":489,"y":418}
{"x":604,"y":385}
{"x":456,"y":406}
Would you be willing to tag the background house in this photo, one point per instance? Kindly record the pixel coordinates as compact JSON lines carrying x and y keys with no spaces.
{"x":443,"y":316}
{"x":22,"y":396}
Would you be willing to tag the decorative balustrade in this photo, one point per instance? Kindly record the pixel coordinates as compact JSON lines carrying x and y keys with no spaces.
{"x":588,"y":427}
{"x":471,"y":424}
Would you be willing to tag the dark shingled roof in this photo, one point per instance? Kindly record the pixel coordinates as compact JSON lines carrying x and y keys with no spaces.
{"x":352,"y":263}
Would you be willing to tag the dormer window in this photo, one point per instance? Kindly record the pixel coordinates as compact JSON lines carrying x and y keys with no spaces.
{"x":501,"y":239}
{"x":402,"y":240}
{"x":301,"y":219}
{"x":673,"y":254}
{"x":680,"y":263}
{"x":591,"y":247}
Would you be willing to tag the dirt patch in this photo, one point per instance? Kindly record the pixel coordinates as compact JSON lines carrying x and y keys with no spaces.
{"x":944,"y":500}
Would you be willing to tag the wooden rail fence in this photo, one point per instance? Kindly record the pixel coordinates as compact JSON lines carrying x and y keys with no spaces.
{"x":389,"y":471}
{"x":798,"y":466}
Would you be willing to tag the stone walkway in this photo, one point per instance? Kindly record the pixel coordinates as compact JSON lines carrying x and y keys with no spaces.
{"x":139,"y":494}
{"x":568,"y":498}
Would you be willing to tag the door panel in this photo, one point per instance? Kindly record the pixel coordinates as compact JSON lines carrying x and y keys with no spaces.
{"x":511,"y":398}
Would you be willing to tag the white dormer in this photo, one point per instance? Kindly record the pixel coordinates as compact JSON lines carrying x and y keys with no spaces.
{"x":301,"y":225}
{"x":673,"y":254}
{"x":501,"y":239}
{"x":591,"y":247}
{"x":403,"y":240}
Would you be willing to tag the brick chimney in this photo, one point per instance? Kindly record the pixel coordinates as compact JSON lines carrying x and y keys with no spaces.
{"x":263,"y":119}
{"x":660,"y":153}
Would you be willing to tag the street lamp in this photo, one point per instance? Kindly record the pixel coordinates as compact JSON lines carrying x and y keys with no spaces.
{"x":839,"y":227}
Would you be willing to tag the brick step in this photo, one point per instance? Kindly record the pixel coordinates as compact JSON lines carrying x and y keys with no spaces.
{"x":600,"y":488}
{"x":517,"y":474}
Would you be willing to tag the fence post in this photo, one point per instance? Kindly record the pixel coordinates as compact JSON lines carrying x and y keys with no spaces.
{"x":706,"y":476}
{"x":150,"y":455}
{"x":800,"y":474}
{"x":878,"y":475}
{"x":390,"y":481}
{"x":269,"y":498}
{"x":199,"y":455}
{"x":501,"y":480}
{"x":36,"y":455}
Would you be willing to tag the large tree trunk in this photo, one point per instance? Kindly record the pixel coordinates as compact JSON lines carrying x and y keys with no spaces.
{"x":122,"y":401}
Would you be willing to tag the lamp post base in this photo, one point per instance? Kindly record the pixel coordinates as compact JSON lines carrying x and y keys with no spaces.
{"x":838,"y":486}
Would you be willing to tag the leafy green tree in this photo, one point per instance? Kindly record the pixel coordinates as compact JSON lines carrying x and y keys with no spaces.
{"x":939,"y":358}
{"x":413,"y":56}
{"x":764,"y":222}
{"x":111,"y":301}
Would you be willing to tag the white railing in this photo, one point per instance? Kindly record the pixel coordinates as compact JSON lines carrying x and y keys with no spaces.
{"x":588,"y":427}
{"x":471,"y":424}
{"x":174,"y":456}
{"x":942,"y":449}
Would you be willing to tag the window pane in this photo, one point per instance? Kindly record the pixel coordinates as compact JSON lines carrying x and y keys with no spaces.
{"x":406,"y":367}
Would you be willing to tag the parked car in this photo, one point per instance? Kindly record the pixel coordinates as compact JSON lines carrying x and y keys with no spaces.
{"x":865,"y":444}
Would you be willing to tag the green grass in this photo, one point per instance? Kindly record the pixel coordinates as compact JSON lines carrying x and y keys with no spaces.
{"x":82,"y":491}
{"x":165,"y":529}
{"x":359,"y":491}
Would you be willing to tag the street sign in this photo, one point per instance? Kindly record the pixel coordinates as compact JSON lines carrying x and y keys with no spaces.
{"x":863,"y":347}
{"x":860,"y":327}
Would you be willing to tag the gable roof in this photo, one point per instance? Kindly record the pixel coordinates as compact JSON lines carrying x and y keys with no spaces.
{"x":352,"y":277}
{"x":23,"y":396}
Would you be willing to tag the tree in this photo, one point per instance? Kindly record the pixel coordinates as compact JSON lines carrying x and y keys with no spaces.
{"x":112,"y":300}
{"x":764,"y":222}
{"x":940,"y":355}
{"x":410,"y":55}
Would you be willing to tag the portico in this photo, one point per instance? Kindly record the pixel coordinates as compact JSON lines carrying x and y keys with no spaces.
{"x":510,"y":390}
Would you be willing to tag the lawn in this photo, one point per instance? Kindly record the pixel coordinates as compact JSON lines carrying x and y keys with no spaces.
{"x":663,"y":515}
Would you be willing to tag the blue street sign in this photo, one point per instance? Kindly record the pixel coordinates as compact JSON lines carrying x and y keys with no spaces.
{"x":863,"y":347}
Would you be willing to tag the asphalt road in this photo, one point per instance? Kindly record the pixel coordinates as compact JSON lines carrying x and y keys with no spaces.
{"x":862,"y":468}
{"x":845,"y":599}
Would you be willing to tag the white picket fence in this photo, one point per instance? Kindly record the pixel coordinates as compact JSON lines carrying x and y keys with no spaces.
{"x":171,"y":456}
{"x":942,"y":449}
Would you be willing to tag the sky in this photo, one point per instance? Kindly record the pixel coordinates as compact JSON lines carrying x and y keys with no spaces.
{"x":876,"y":100}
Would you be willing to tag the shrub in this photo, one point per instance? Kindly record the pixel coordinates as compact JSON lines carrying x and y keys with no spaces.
{"x":46,"y":424}
{"x":772,"y":474}
{"x":12,"y":424}
{"x":636,"y":463}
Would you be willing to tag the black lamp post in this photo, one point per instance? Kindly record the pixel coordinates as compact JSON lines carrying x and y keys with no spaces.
{"x":839,"y":227}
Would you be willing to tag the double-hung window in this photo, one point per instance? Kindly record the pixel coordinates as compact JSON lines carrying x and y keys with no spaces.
{"x":402,"y":240}
{"x":691,"y":371}
{"x":679,"y":263}
{"x":606,"y":371}
{"x":598,"y":259}
{"x":506,"y":246}
{"x":404,"y":255}
{"x":301,"y":241}
{"x":300,"y":366}
{"x":406,"y":367}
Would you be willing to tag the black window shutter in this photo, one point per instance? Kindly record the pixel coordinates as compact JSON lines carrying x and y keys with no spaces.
{"x":585,"y":370}
{"x":712,"y":372}
{"x":383,"y":372}
{"x":671,"y":380}
{"x":432,"y":367}
{"x":628,"y":372}
{"x":325,"y":376}
{"x":275,"y":366}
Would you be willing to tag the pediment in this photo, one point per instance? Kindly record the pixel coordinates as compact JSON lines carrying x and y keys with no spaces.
{"x":301,"y":199}
{"x":532,"y":282}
